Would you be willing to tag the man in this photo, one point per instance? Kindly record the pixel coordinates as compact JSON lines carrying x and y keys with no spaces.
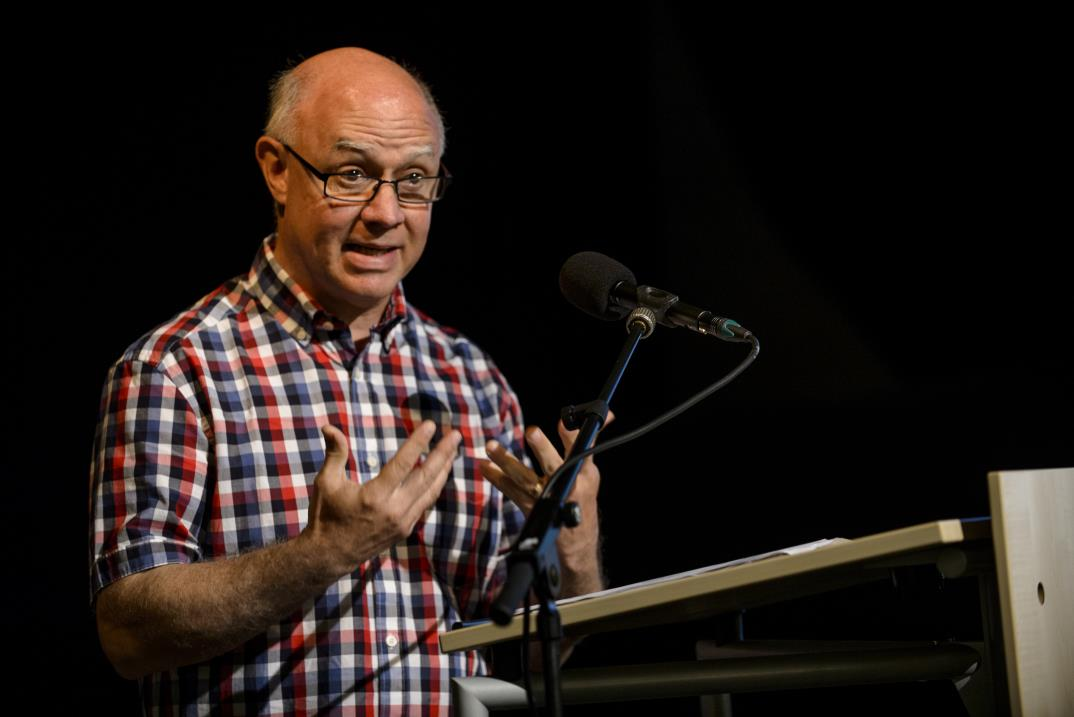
{"x":242,"y":561}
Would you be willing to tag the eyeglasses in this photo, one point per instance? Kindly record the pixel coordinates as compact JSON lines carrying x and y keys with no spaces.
{"x":353,"y":186}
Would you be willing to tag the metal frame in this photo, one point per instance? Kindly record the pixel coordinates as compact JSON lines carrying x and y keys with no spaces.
{"x":476,"y":696}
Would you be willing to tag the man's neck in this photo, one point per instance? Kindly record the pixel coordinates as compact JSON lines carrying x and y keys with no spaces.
{"x":361,"y":320}
{"x":363,"y":324}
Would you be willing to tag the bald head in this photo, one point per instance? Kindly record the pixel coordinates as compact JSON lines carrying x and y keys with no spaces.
{"x":330,"y":74}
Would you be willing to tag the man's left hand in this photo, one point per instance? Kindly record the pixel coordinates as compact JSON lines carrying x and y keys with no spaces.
{"x":578,"y":547}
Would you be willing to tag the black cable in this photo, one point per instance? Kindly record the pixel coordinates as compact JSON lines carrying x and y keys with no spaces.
{"x":625,"y":438}
{"x":659,"y":420}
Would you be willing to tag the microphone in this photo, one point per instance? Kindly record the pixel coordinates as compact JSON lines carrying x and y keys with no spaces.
{"x":603,"y":288}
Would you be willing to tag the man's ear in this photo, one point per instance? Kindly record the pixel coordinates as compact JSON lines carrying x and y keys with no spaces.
{"x":270,"y":158}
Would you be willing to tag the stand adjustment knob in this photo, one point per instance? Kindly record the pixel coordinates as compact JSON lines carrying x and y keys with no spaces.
{"x":571,"y":515}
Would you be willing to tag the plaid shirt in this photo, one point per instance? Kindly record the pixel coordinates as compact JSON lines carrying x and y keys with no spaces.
{"x":207,"y":444}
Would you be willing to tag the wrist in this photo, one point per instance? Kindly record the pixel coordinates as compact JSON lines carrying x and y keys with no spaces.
{"x":579,"y":557}
{"x":321,"y":557}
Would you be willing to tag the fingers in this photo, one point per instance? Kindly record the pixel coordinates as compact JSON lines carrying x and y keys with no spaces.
{"x":398,"y":469}
{"x":568,"y":437}
{"x":350,"y":521}
{"x":425,"y":482}
{"x":337,"y":451}
{"x":493,"y":475}
{"x":335,"y":441}
{"x":508,"y":464}
{"x":547,"y":455}
{"x":437,"y":465}
{"x":510,"y":475}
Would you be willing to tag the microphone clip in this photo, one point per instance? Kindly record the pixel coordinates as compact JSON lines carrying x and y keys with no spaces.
{"x":650,"y":306}
{"x":573,"y":416}
{"x":658,"y":301}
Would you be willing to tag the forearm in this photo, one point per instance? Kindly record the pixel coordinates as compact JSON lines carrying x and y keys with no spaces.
{"x":583,"y":573}
{"x":580,"y":557}
{"x":582,"y":578}
{"x":176,"y":615}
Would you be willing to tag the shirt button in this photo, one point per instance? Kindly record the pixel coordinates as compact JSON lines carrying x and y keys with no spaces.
{"x":391,"y":641}
{"x":372,"y":461}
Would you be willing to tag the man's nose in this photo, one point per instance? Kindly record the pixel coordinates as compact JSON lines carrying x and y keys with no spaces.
{"x":384,"y":207}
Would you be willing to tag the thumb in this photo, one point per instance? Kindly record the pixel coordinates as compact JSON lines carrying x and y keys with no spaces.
{"x":337,"y":452}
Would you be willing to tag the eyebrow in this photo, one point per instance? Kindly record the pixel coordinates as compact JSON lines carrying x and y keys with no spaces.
{"x":346,"y":145}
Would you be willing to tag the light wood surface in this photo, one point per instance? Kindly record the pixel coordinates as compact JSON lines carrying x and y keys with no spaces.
{"x":1033,"y":531}
{"x":770,"y":580}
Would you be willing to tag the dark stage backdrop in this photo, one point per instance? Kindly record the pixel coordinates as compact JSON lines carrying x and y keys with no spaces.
{"x":876,"y":197}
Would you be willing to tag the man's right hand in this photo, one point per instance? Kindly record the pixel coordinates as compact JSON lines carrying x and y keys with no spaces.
{"x":351,"y":522}
{"x":179,"y":614}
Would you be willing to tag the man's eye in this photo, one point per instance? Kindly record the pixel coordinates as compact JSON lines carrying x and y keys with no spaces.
{"x":412,"y":178}
{"x":352,"y":176}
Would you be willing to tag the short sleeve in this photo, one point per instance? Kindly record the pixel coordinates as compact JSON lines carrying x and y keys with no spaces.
{"x":148,"y":475}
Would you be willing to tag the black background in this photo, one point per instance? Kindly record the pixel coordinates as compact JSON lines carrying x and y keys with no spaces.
{"x":877,"y":197}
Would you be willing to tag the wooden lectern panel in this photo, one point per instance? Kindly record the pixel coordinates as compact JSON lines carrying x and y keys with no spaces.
{"x":1033,"y":534}
{"x":774,"y":579}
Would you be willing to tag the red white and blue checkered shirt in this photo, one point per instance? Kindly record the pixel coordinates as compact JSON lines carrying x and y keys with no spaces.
{"x":208,"y":442}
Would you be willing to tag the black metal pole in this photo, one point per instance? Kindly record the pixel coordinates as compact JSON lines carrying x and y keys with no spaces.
{"x":550,"y":629}
{"x":534,"y":561}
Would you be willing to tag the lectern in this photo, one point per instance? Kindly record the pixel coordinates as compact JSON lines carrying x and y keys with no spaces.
{"x":1022,"y":556}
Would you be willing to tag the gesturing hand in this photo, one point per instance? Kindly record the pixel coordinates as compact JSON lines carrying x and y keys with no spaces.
{"x":522,"y":485}
{"x":577,"y":546}
{"x":349,"y":522}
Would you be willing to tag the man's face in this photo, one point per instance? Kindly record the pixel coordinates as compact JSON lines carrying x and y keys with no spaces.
{"x":350,"y":256}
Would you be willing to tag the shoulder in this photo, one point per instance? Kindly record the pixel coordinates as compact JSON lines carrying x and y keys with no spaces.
{"x":200,"y":324}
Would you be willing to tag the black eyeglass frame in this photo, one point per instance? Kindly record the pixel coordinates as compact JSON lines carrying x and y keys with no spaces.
{"x":445,"y":178}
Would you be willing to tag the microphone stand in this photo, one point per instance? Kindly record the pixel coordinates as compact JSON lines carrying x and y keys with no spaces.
{"x":534,"y":561}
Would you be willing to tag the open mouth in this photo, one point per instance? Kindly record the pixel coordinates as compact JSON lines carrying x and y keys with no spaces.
{"x":368,"y":250}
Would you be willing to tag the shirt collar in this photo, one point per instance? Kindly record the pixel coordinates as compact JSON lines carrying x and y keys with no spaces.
{"x":298,"y":312}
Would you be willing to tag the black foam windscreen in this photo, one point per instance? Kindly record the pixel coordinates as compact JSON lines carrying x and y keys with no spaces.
{"x":587,"y":280}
